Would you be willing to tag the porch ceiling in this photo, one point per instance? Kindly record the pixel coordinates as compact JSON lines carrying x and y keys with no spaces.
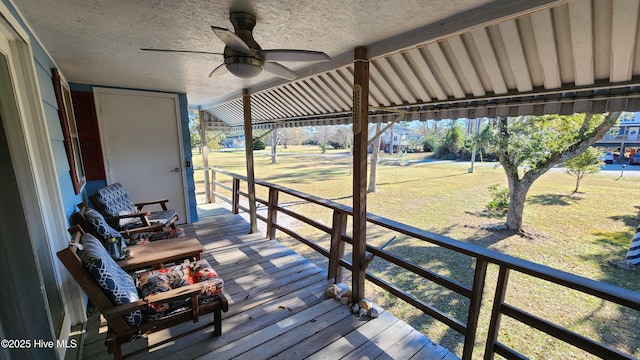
{"x":430,"y":59}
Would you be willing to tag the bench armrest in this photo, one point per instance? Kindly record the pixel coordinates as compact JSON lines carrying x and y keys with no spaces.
{"x":182,"y":293}
{"x":150,"y":228}
{"x":161,"y":202}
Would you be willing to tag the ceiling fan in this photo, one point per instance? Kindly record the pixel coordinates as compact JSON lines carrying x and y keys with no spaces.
{"x":244,"y":58}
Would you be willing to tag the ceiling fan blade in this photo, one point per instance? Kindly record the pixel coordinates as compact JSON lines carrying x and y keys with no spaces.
{"x":182,"y":51}
{"x":219,"y":70}
{"x":280,"y":70}
{"x":294,"y":55}
{"x":232,"y":40}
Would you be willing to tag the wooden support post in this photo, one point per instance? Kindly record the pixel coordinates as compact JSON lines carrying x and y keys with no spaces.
{"x":360,"y":142}
{"x":204,"y":150}
{"x":248,"y":139}
{"x":272,"y":213}
{"x":336,"y":250}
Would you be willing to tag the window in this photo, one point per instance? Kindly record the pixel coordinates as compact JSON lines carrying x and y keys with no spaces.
{"x":69,"y":131}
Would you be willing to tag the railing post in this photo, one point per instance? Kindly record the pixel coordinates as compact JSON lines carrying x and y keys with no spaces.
{"x":213,"y":185}
{"x":474,"y":308}
{"x":235,"y":196}
{"x":494,"y":325}
{"x":272,"y":213}
{"x":336,"y":250}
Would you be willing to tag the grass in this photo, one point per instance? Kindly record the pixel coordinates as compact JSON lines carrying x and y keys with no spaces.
{"x":578,"y":233}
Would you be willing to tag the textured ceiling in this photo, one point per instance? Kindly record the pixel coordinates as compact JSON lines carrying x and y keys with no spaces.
{"x":98,"y":41}
{"x":429,"y":59}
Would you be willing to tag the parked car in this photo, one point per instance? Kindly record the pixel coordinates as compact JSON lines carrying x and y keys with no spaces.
{"x":635,"y":159}
{"x":607,"y":157}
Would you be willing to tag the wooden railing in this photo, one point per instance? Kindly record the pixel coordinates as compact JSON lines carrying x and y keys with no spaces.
{"x":482,"y":256}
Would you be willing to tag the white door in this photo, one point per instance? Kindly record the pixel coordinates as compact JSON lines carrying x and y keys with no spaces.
{"x":141,"y":140}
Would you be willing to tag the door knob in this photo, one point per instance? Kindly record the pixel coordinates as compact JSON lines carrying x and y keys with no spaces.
{"x":175,"y":170}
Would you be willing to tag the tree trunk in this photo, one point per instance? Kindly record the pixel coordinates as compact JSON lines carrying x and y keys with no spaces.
{"x":391,"y":140}
{"x":517,"y":195}
{"x":274,"y":144}
{"x":374,"y":161}
{"x":579,"y":176}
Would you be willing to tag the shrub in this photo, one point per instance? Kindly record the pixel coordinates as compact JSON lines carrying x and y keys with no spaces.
{"x":336,"y":145}
{"x":499,"y":204}
{"x":258,"y":144}
{"x":430,"y":143}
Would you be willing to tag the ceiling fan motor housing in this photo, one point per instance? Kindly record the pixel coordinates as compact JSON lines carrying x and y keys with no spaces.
{"x":238,"y":63}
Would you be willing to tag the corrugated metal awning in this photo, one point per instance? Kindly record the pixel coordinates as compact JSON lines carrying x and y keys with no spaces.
{"x":581,"y":56}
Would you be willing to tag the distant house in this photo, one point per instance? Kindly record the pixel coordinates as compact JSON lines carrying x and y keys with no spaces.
{"x":403,"y":139}
{"x":623,"y":137}
{"x":234,"y":141}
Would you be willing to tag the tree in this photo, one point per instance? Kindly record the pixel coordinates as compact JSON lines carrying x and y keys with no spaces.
{"x":275,"y":139}
{"x":343,"y":135}
{"x":323,"y":134}
{"x":194,"y":129}
{"x":540,"y":143}
{"x":452,"y":142}
{"x":291,"y":136}
{"x":374,"y":160}
{"x":586,"y":163}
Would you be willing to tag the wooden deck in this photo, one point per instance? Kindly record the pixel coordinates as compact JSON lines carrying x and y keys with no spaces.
{"x":277,"y":309}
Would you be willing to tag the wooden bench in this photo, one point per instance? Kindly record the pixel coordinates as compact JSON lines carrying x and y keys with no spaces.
{"x":155,"y":254}
{"x":119,"y":330}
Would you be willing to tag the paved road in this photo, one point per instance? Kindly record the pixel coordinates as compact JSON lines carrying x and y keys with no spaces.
{"x":610,"y":169}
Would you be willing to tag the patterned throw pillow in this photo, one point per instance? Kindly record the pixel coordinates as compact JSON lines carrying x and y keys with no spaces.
{"x":98,"y":222}
{"x":117,"y":284}
{"x":106,"y":232}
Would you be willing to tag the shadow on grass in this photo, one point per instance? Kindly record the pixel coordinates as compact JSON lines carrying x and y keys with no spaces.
{"x":554,"y":199}
{"x":445,"y":263}
{"x":399,"y":182}
{"x":302,"y":202}
{"x":628,"y":220}
{"x":617,"y":326}
{"x":303,"y":177}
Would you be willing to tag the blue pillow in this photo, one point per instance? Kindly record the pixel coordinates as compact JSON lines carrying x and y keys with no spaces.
{"x":116,"y":283}
{"x":107,"y":233}
{"x":98,"y":222}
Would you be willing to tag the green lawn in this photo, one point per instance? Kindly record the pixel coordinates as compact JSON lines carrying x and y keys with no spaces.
{"x":578,"y":233}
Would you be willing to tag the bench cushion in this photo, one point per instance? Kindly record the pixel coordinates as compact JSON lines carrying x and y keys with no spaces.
{"x":117,"y":284}
{"x":157,"y":281}
{"x":161,"y":217}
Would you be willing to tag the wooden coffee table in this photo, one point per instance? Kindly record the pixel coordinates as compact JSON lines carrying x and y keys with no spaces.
{"x":156,"y":253}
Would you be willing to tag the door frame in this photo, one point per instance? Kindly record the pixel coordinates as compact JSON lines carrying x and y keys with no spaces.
{"x":97,"y":91}
{"x":29,"y":143}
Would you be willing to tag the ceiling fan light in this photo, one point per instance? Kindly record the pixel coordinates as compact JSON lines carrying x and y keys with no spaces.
{"x":243,"y":70}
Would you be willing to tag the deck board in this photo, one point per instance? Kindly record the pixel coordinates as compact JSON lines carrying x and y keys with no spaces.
{"x":277,"y":309}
